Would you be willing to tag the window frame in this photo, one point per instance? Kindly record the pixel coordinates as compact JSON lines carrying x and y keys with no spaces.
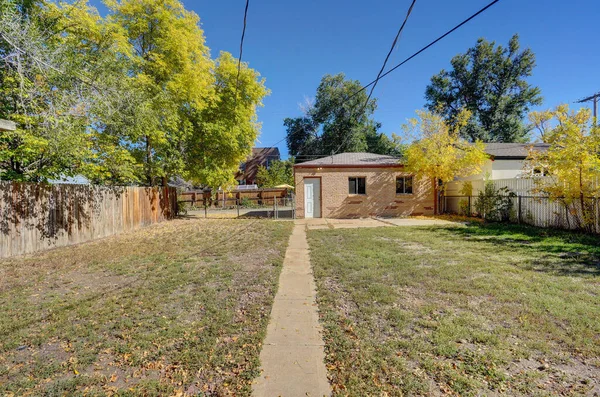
{"x":357,"y":186}
{"x":412,"y":185}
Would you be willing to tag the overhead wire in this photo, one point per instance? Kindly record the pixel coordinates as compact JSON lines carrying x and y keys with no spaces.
{"x":364,"y":107}
{"x":239,"y":67}
{"x":426,"y":47}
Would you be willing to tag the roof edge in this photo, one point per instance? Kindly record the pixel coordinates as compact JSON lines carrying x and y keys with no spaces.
{"x":301,"y":165}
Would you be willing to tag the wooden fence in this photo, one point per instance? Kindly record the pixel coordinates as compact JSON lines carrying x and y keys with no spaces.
{"x":219,"y":198}
{"x":35,"y":217}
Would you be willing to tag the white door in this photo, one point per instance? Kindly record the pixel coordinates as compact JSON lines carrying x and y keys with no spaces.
{"x":312,"y":198}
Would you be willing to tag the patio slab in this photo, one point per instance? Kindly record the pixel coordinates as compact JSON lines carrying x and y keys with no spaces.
{"x":418,"y":222}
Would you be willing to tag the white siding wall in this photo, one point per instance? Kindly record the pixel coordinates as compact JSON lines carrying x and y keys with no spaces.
{"x":506,"y":169}
{"x":497,"y":170}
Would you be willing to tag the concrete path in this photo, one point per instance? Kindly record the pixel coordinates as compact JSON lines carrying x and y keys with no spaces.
{"x":292,"y":356}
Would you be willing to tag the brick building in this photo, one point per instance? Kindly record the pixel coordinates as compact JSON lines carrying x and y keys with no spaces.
{"x":261,"y":156}
{"x":360,"y":185}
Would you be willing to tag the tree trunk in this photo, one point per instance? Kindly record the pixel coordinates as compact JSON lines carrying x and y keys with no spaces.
{"x":149,"y":180}
{"x":435,"y":197}
{"x":582,"y":201}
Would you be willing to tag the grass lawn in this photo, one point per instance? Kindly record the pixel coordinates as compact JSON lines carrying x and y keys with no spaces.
{"x":476,"y":310}
{"x":176,"y":308}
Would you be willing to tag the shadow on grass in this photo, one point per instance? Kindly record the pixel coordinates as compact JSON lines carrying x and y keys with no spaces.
{"x":283,"y":214}
{"x":557,"y":251}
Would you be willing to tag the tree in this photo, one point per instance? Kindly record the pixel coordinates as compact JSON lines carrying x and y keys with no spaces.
{"x":170,"y":64}
{"x":41,"y":92}
{"x":278,"y":173}
{"x":222,"y":134}
{"x":439,"y":153}
{"x":128,"y":98}
{"x":490,"y":82}
{"x":340,"y":120}
{"x":571,"y":163}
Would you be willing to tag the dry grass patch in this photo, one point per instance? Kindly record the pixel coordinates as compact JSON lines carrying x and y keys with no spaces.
{"x":475,"y":310}
{"x":179,"y":307}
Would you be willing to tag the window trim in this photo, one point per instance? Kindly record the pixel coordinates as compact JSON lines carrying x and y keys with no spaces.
{"x":357,"y":194}
{"x":412,"y":177}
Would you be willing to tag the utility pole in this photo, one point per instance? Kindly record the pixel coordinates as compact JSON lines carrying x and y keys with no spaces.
{"x":593,"y":98}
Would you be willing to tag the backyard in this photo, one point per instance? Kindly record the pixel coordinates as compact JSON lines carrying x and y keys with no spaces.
{"x":473,"y":310}
{"x":176,"y":308}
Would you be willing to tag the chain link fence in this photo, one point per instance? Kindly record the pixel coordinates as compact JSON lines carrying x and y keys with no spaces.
{"x":244,"y":207}
{"x":534,"y":210}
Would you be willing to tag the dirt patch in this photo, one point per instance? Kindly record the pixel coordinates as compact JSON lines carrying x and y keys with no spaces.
{"x":574,"y":377}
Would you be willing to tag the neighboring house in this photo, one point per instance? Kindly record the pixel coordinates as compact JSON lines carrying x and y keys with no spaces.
{"x":359,"y":185}
{"x":70,"y":180}
{"x":6,"y":125}
{"x":507,"y":159}
{"x":260,"y":157}
{"x":505,"y":165}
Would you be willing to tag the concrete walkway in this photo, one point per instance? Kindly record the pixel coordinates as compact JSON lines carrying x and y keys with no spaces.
{"x":292,"y":356}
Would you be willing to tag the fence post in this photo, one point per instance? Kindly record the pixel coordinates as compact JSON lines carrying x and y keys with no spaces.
{"x":237,"y":204}
{"x":205,"y":208}
{"x":470,"y":211}
{"x":520,"y":199}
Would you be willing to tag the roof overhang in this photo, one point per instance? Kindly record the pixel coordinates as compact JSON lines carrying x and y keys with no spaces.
{"x":6,"y":125}
{"x":349,"y":166}
{"x":507,"y":157}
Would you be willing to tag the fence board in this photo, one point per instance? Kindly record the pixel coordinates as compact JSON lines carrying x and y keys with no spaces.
{"x":538,"y":211}
{"x":34,"y":217}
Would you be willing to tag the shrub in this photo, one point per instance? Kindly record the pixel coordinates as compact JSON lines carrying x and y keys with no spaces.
{"x":494,"y":204}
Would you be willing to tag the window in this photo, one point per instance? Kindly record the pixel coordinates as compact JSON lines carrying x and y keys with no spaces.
{"x":357,"y":185}
{"x":404,"y":185}
{"x":540,"y":171}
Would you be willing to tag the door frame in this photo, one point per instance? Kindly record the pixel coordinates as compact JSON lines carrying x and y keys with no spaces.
{"x":320,"y":194}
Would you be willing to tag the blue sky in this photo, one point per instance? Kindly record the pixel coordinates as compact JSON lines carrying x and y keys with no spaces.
{"x":294,"y":43}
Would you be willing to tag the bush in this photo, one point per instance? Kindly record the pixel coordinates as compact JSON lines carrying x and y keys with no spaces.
{"x":247,"y":203}
{"x":182,"y":208}
{"x":494,"y":204}
{"x":464,"y":208}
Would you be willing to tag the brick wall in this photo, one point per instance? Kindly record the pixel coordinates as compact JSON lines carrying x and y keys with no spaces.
{"x":380,"y":199}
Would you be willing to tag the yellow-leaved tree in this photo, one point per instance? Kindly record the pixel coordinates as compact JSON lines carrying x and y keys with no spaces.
{"x":164,"y":108}
{"x":571,"y":163}
{"x":438,"y":152}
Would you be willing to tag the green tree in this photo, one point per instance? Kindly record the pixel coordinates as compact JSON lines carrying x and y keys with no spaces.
{"x":170,"y":64}
{"x":490,"y":82}
{"x":278,"y":173}
{"x":223,"y":134}
{"x":338,"y":121}
{"x":42,"y":91}
{"x":127,"y":98}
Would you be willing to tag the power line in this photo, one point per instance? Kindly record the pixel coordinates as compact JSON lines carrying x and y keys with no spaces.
{"x":390,"y":52}
{"x":427,"y":46}
{"x":237,"y":79}
{"x":364,"y":107}
{"x":432,"y":43}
